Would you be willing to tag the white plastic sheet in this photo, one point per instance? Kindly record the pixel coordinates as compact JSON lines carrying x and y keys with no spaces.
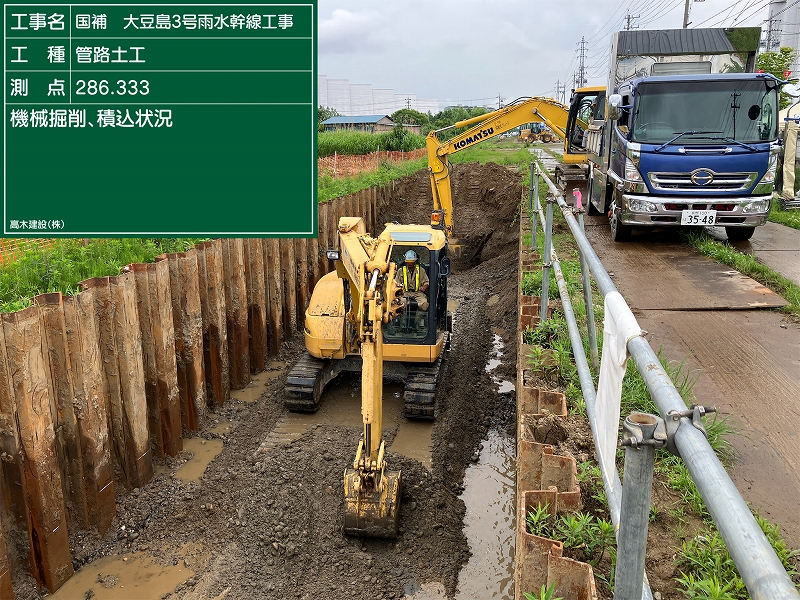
{"x":619,"y":326}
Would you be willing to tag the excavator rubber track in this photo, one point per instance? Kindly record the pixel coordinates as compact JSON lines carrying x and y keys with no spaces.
{"x":302,"y":392}
{"x":308,"y":377}
{"x":420,"y":388}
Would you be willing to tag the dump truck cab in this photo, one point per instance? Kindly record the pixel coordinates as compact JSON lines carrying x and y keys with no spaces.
{"x":689,"y":134}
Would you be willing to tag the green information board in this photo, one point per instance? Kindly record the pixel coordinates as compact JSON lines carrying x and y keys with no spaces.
{"x":160,"y":120}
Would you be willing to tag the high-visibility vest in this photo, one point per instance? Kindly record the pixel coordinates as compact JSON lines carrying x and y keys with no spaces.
{"x":405,"y":278}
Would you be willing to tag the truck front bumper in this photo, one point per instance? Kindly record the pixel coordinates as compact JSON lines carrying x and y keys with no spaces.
{"x":667,"y":211}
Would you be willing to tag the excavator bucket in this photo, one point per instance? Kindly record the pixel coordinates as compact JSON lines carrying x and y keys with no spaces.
{"x":468,"y":248}
{"x":372,"y":511}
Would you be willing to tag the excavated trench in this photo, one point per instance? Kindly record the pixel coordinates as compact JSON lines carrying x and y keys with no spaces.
{"x":264,"y":519}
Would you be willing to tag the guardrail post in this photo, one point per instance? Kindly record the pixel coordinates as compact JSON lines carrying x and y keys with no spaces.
{"x":534,"y":200}
{"x":587,"y":291}
{"x":640,"y":439}
{"x":548,"y":251}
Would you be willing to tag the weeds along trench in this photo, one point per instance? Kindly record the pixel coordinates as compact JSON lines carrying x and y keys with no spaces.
{"x":686,"y":557}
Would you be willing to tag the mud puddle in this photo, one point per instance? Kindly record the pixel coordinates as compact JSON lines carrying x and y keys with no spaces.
{"x":222,"y":428}
{"x":489,"y":522}
{"x":204,"y":452}
{"x":342,"y":406}
{"x":495,"y":360}
{"x":123,"y":578}
{"x":258,"y":383}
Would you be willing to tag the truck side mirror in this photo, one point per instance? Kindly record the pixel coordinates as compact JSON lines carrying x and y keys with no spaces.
{"x":614,"y":107}
{"x":792,"y":89}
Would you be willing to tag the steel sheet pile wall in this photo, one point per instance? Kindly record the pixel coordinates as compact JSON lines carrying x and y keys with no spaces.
{"x":94,"y":387}
{"x":543,"y":478}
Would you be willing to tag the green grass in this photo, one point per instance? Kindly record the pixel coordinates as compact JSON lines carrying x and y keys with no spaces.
{"x":707,"y":570}
{"x":790,"y":218}
{"x":69,"y":261}
{"x":546,"y":593}
{"x":492,"y":151}
{"x":329,"y":188}
{"x":583,"y":534}
{"x":359,"y":142}
{"x":747,"y":265}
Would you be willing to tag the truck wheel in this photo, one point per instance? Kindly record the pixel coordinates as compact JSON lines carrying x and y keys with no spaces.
{"x":619,"y":231}
{"x":739,"y":234}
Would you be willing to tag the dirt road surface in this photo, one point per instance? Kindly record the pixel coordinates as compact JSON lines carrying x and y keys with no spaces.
{"x":265,"y":518}
{"x":747,"y":361}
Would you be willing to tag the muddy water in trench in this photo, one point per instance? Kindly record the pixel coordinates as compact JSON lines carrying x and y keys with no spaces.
{"x":489,"y":522}
{"x":342,"y":406}
{"x":489,"y":498}
{"x":123,"y":578}
{"x":204,"y":452}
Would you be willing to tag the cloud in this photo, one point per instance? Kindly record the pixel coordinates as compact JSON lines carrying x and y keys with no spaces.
{"x":347,"y":31}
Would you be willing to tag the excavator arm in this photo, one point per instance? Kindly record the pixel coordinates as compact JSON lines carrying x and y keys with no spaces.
{"x":546,"y":110}
{"x":372,"y":494}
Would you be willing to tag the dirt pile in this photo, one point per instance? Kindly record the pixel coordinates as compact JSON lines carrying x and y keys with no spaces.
{"x":486,"y":201}
{"x":269,"y":524}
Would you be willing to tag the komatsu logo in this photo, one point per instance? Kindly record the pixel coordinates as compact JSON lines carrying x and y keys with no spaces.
{"x":475,"y":138}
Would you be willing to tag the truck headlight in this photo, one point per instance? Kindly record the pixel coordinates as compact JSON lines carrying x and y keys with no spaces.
{"x":756,"y":206}
{"x":638,"y":205}
{"x":769,"y":176}
{"x":631,"y":172}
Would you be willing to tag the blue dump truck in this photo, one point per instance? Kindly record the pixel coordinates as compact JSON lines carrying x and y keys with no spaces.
{"x":687,"y":134}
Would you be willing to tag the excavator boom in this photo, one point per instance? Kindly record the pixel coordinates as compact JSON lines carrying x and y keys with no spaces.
{"x":546,"y":110}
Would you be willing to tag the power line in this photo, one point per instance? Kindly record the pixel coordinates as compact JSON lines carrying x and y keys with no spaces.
{"x":599,"y":31}
{"x":762,"y":3}
{"x":664,"y":11}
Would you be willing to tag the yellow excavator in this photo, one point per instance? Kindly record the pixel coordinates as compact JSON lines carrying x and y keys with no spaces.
{"x":557,"y":116}
{"x":357,"y":321}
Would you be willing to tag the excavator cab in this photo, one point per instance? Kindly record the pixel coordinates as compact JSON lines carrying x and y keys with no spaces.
{"x":413,"y":324}
{"x":586,"y":106}
{"x":417,"y":325}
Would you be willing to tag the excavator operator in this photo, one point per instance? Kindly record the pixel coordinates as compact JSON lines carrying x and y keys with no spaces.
{"x":414,"y":280}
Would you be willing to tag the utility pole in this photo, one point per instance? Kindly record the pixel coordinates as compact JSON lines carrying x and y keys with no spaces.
{"x":582,"y":63}
{"x":499,"y":102}
{"x":561,"y":90}
{"x":629,"y":17}
{"x":408,"y":103}
{"x":686,"y":15}
{"x":773,"y":34}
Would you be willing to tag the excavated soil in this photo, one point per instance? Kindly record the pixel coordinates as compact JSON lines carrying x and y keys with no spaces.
{"x":269,"y":524}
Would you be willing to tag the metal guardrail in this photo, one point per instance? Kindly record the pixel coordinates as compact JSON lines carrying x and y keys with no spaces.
{"x":760,"y":569}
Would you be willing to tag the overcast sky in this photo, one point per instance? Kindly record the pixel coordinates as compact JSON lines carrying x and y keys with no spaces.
{"x":469,"y":51}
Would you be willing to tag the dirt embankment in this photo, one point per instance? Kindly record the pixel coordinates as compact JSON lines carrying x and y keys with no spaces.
{"x":269,"y":525}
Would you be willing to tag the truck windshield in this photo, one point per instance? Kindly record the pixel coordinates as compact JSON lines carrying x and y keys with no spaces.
{"x":746,"y":111}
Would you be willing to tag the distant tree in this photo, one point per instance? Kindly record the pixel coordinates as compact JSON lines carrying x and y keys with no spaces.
{"x":324,"y":113}
{"x":409,"y":116}
{"x":400,"y":138}
{"x":452,"y":115}
{"x":778,"y":63}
